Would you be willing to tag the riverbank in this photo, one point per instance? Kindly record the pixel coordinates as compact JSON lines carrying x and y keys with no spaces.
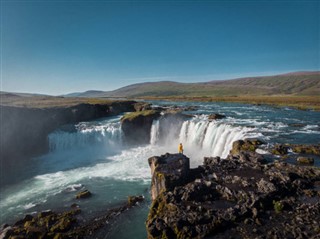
{"x":298,"y":102}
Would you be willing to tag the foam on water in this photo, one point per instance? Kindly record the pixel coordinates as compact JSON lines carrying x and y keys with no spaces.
{"x":93,"y":151}
{"x":105,"y":133}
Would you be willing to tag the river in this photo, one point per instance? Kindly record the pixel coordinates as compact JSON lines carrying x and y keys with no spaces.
{"x":93,"y":155}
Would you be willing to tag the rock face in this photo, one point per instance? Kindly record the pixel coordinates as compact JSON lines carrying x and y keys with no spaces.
{"x":245,"y":145}
{"x":238,"y":197}
{"x":141,"y":106}
{"x":24,"y":131}
{"x":168,"y":171}
{"x":64,"y":225}
{"x":137,"y":126}
{"x":305,"y":160}
{"x":282,"y":149}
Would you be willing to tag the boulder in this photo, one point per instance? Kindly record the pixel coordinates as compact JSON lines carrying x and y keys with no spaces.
{"x":168,"y":171}
{"x":297,"y":125}
{"x":245,"y":145}
{"x":141,"y":106}
{"x":83,"y":194}
{"x":306,"y":149}
{"x":215,"y":117}
{"x":280,"y":149}
{"x":133,"y":200}
{"x":305,"y":160}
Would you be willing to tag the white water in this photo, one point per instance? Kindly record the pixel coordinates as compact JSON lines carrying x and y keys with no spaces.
{"x":94,"y":151}
{"x":107,"y":135}
{"x":201,"y":137}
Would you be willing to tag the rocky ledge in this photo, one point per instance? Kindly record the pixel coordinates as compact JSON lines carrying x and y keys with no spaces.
{"x":25,"y":130}
{"x":64,"y":225}
{"x":243,"y":196}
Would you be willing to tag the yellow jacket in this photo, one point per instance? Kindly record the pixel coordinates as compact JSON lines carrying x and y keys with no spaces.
{"x":180,"y":148}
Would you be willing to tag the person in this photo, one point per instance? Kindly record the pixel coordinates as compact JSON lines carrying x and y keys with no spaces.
{"x":180,"y":148}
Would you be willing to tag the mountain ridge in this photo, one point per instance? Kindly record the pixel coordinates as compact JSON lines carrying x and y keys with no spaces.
{"x":294,"y":83}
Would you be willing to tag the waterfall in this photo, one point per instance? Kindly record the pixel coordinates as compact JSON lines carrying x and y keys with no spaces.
{"x":105,"y":133}
{"x":210,"y":138}
{"x":154,"y":135}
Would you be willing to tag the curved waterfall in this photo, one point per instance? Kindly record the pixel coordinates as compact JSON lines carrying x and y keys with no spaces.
{"x":106,"y":134}
{"x":199,"y":134}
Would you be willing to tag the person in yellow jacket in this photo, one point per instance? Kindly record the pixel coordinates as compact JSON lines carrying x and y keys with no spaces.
{"x":180,"y":148}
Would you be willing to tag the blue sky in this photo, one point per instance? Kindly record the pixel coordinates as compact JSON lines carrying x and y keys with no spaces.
{"x":57,"y":47}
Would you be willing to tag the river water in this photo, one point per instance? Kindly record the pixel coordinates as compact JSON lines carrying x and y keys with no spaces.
{"x":93,"y":155}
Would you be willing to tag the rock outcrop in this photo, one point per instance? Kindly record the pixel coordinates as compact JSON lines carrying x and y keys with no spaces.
{"x":83,"y":194}
{"x":64,"y":225}
{"x":283,"y":149}
{"x":242,"y":196}
{"x":168,"y":171}
{"x":136,"y":126}
{"x":216,"y":116}
{"x":245,"y":145}
{"x":24,"y":131}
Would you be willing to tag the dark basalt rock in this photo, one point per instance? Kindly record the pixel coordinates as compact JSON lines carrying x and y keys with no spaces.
{"x":133,"y":200}
{"x":280,"y":149}
{"x":238,"y":197}
{"x":245,"y":145}
{"x":65,"y":225}
{"x":305,"y":160}
{"x":141,"y":106}
{"x":137,"y":126}
{"x":84,"y":194}
{"x":168,"y":171}
{"x":24,"y":130}
{"x":305,"y":149}
{"x":297,"y":125}
{"x":215,"y":117}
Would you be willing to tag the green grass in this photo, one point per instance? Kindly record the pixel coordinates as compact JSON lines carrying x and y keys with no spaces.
{"x":298,"y":84}
{"x":299,"y":102}
{"x":133,"y":115}
{"x":48,"y":101}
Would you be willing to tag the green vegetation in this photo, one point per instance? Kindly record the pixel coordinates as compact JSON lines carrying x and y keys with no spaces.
{"x":40,"y":101}
{"x":295,"y":84}
{"x":278,"y":206}
{"x":299,"y":90}
{"x":134,"y":115}
{"x":299,"y":102}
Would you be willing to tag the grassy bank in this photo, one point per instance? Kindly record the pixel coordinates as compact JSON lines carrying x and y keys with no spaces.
{"x":37,"y":101}
{"x":299,"y":102}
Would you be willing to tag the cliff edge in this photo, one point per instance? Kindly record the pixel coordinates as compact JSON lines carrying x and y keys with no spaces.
{"x":243,"y":196}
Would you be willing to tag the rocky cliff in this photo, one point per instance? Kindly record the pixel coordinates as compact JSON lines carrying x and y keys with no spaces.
{"x":137,"y":126}
{"x":24,"y":130}
{"x":243,"y":196}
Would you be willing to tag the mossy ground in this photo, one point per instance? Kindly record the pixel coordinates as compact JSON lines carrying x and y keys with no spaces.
{"x":50,"y":101}
{"x":134,"y":115}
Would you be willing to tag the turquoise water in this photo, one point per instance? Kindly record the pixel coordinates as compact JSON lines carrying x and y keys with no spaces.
{"x":93,"y":156}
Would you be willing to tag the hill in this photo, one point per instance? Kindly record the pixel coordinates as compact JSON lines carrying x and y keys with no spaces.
{"x":294,"y":84}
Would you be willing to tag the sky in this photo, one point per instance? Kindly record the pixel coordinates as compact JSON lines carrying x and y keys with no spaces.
{"x":57,"y":46}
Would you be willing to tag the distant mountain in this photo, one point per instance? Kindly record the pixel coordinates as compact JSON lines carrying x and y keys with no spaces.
{"x":296,"y":83}
{"x":89,"y":93}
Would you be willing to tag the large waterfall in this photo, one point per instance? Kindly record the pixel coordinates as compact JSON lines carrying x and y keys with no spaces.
{"x":199,"y":134}
{"x":84,"y":134}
